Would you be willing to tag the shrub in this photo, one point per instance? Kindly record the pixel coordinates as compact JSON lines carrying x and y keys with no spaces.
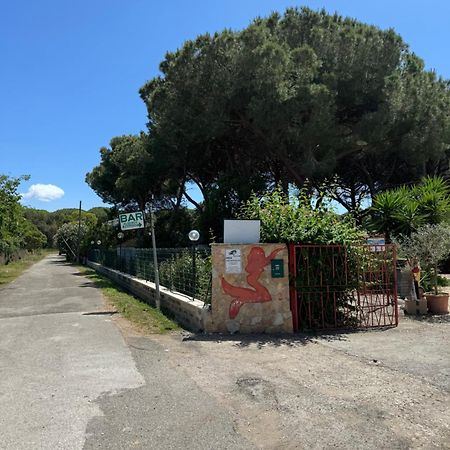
{"x":176,"y":273}
{"x":403,"y":210}
{"x":430,"y":244}
{"x":292,"y":219}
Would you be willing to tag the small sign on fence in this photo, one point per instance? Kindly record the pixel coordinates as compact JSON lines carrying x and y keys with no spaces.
{"x":377,"y":244}
{"x":131,"y":221}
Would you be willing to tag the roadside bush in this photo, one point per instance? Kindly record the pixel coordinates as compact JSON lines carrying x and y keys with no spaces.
{"x":292,"y":219}
{"x":66,"y":239}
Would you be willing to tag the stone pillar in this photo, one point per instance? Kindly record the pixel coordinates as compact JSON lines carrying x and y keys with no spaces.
{"x":250,"y":288}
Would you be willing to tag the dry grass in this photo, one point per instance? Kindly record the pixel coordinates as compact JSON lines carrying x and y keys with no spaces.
{"x":11,"y":271}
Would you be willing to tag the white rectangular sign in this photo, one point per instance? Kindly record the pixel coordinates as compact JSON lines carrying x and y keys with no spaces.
{"x":233,"y":262}
{"x":131,"y":221}
{"x":241,"y":231}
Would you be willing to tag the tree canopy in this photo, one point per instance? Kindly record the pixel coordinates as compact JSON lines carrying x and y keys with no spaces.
{"x":294,"y":97}
{"x":304,"y":95}
{"x":129,"y":174}
{"x":16,"y":232}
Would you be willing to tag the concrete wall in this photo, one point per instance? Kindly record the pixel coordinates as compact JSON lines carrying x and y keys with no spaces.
{"x":194,"y":315}
{"x":245,"y":296}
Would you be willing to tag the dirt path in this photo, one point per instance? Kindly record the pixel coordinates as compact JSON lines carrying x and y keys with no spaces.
{"x":371,"y":390}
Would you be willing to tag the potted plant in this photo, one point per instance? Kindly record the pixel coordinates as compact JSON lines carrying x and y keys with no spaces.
{"x":430,"y":244}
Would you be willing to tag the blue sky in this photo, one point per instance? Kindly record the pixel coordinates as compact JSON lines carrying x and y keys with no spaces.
{"x":70,"y":72}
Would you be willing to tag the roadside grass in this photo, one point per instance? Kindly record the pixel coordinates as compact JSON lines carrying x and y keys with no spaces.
{"x":147,"y":318}
{"x":11,"y":271}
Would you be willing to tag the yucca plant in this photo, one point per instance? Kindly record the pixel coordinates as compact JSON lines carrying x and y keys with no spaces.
{"x":404,"y":210}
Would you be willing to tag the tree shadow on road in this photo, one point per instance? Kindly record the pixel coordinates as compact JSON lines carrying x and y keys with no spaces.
{"x":258,"y":340}
{"x":278,"y":340}
{"x":60,"y":262}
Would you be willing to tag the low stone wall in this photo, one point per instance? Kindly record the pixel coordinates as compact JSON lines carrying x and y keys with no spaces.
{"x":250,"y":291}
{"x":191,"y":314}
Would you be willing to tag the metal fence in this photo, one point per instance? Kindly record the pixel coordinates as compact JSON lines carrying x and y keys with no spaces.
{"x":335,"y":286}
{"x":180,"y":269}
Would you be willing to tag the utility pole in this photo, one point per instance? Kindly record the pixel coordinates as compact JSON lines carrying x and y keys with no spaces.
{"x":79,"y":234}
{"x":155,"y":257}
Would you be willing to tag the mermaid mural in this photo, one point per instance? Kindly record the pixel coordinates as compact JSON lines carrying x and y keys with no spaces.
{"x":256,"y":262}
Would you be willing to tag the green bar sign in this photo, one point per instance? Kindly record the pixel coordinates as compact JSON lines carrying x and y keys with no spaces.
{"x":131,"y":221}
{"x":277,"y":268}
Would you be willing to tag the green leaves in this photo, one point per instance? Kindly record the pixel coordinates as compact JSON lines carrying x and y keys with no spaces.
{"x":289,"y":219}
{"x":129,"y":172}
{"x":405,"y":209}
{"x":16,"y":232}
{"x":430,"y":245}
{"x":66,"y":238}
{"x":304,"y":95}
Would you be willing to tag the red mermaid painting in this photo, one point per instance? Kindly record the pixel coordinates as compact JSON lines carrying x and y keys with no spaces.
{"x":256,"y":262}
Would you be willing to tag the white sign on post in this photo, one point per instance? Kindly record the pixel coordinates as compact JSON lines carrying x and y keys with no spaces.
{"x":241,"y":231}
{"x":131,"y":221}
{"x":233,"y":262}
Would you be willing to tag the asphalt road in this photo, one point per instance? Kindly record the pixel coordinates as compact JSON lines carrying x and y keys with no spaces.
{"x":69,"y":381}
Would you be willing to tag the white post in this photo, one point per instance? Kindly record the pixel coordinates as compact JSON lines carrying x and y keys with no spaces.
{"x":155,"y":260}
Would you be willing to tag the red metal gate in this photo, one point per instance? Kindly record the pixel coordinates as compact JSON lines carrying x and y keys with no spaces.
{"x":337,"y":286}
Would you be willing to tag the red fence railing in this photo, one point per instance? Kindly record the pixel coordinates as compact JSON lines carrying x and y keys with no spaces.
{"x":336,"y":286}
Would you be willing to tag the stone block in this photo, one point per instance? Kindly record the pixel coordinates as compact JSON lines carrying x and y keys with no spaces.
{"x":245,"y":296}
{"x":416,"y":306}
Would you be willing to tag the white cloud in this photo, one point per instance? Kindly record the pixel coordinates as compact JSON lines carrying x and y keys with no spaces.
{"x":43,"y":192}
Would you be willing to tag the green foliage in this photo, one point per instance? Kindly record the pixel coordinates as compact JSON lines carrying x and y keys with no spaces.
{"x":32,"y":238}
{"x":176,"y":273}
{"x":129,"y":174}
{"x":427,"y":280}
{"x":10,"y":215}
{"x":44,"y":221}
{"x":403,"y":210}
{"x":296,"y":96}
{"x":289,"y":219}
{"x":430,"y":245}
{"x":16,"y":232}
{"x":101,"y":213}
{"x":66,"y":238}
{"x":48,"y":223}
{"x":172,"y":227}
{"x":303,"y":95}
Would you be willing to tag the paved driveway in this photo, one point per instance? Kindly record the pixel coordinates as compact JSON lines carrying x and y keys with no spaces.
{"x":71,"y":380}
{"x":62,"y":362}
{"x":55,"y":360}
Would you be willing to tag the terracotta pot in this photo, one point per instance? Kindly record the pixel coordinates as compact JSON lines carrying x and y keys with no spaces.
{"x":437,"y":304}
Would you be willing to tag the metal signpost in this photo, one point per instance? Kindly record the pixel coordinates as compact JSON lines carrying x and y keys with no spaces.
{"x":131,"y":221}
{"x":134,"y":221}
{"x":194,"y":236}
{"x":120,"y":236}
{"x":155,"y":260}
